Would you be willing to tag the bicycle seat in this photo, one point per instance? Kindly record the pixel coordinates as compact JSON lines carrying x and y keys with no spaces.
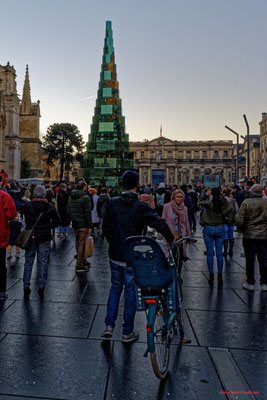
{"x":150,"y":266}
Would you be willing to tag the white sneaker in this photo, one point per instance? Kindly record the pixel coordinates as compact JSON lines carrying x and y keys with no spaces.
{"x":247,"y":286}
{"x":264,"y":287}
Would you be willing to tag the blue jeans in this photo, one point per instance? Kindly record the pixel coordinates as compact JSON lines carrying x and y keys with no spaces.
{"x":229,"y":231}
{"x":61,"y":228}
{"x":214,"y":234}
{"x":121,"y":276}
{"x":43,"y":251}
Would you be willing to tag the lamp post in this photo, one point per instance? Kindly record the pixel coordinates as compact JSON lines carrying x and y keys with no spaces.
{"x":248,"y":147}
{"x":237,"y":153}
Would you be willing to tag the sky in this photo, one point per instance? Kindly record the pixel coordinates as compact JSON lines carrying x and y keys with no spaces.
{"x":192,"y":66}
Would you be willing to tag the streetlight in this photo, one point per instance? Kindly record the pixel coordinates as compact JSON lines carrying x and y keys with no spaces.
{"x":248,"y":145}
{"x":237,"y":153}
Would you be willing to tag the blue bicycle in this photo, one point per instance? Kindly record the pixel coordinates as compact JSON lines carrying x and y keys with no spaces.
{"x":159,"y":294}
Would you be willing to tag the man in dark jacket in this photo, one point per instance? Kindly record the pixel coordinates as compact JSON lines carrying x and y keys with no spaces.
{"x":7,"y":213}
{"x":41,"y":238}
{"x":238,"y":195}
{"x":189,"y":205}
{"x":79,"y":209}
{"x":126,"y":216}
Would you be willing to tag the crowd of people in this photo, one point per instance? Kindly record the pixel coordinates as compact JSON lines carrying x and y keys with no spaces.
{"x":169,"y":210}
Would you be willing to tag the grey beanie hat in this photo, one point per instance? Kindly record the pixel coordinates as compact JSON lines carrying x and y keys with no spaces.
{"x":39,"y":192}
{"x":256,"y":190}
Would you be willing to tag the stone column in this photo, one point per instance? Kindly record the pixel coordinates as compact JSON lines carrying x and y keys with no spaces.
{"x":167,"y":176}
{"x":149,"y":180}
{"x":176,"y":175}
{"x":140,"y":176}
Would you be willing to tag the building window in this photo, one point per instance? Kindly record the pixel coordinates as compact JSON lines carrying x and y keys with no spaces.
{"x":142,"y":154}
{"x":196,"y":154}
{"x":188,"y":154}
{"x":225,"y":153}
{"x":181,"y":154}
{"x":204,"y":154}
{"x":170,"y":154}
{"x":216,"y":153}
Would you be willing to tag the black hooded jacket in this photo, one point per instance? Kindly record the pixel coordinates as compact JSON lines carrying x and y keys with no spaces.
{"x":50,"y":219}
{"x":127,"y":216}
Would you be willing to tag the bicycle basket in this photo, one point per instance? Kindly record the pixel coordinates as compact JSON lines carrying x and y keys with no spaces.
{"x":150,"y":266}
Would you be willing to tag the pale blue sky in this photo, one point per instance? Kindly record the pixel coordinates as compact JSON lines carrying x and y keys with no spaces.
{"x":191,"y":65}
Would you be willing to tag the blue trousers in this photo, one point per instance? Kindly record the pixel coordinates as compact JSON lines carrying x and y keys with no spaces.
{"x":214,"y":235}
{"x":43,"y":251}
{"x":121,"y":277}
{"x":229,"y":231}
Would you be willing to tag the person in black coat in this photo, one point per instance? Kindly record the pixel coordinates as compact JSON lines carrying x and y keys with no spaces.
{"x":62,"y":203}
{"x":49,"y":219}
{"x":126,"y":216}
{"x":101,"y":207}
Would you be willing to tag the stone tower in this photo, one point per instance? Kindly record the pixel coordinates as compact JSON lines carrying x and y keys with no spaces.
{"x":29,"y":128}
{"x":9,"y":127}
{"x":107,"y":155}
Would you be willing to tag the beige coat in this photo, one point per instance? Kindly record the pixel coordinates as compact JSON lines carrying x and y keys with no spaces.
{"x":251,"y":219}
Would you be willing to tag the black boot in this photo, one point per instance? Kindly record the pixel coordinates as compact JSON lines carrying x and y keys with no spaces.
{"x":231,"y":247}
{"x":27,"y":292}
{"x":41,"y":293}
{"x":211,"y":279}
{"x":220,"y":281}
{"x":225,"y":247}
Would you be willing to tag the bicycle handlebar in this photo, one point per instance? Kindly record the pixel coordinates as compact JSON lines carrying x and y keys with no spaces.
{"x":186,"y":239}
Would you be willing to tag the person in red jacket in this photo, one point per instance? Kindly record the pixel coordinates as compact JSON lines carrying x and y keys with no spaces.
{"x":8,"y":212}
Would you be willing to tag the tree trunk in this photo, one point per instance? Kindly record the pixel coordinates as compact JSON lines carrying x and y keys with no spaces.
{"x":62,"y":158}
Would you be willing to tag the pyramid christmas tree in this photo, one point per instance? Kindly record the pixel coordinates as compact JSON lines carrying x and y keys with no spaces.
{"x":107,"y":154}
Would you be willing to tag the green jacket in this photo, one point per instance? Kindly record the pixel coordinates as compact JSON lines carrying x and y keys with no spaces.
{"x":79,"y":209}
{"x":212,"y":218}
{"x":251,"y":219}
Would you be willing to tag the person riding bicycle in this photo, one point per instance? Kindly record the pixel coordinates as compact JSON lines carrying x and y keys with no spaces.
{"x":126,"y":216}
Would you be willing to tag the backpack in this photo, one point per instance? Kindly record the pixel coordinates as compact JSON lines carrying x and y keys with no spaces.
{"x":160,"y":199}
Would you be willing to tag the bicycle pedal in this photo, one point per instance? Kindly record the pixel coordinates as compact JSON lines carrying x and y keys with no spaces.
{"x":185,"y":341}
{"x":146,"y":353}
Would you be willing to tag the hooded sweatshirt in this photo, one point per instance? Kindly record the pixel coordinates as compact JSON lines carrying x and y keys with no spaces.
{"x":127,"y":216}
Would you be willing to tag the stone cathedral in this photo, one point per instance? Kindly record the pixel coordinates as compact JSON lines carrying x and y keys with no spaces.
{"x":19,"y":125}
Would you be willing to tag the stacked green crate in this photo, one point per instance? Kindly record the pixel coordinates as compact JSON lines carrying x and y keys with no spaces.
{"x":107,"y":155}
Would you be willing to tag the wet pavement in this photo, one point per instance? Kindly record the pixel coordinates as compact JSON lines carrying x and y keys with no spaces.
{"x":53,"y":349}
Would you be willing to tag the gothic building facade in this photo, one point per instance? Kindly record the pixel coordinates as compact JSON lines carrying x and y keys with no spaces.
{"x":19,"y":125}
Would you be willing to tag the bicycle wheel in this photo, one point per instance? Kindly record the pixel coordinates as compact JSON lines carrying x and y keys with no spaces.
{"x":160,"y":357}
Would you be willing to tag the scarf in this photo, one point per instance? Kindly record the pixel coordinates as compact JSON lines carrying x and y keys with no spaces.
{"x":179,"y":213}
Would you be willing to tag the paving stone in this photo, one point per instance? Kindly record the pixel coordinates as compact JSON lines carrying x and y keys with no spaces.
{"x":256,"y":301}
{"x":253,"y":365}
{"x":58,"y":368}
{"x":231,"y":330}
{"x":53,"y":319}
{"x":11,"y":282}
{"x":212,"y":299}
{"x":2,"y":335}
{"x":191,"y":375}
{"x":55,"y":291}
{"x":99,"y":275}
{"x":95,"y":293}
{"x":5,"y":304}
{"x":15,"y":271}
{"x":194,"y":278}
{"x":8,"y":397}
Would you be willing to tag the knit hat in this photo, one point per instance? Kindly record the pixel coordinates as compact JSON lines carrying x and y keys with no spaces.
{"x":129,"y":179}
{"x":162,"y":185}
{"x":39,"y":192}
{"x":256,"y":190}
{"x":147,"y":190}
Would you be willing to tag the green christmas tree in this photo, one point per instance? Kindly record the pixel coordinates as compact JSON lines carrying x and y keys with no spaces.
{"x":107,"y":155}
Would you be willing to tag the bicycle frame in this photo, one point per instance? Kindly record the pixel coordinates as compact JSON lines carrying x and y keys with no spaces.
{"x":152,"y":302}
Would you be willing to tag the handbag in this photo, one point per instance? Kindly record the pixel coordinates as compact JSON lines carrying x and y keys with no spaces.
{"x":24,"y":239}
{"x":89,"y":247}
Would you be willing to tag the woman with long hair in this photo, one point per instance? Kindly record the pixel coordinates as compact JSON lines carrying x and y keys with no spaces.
{"x":176,"y":216}
{"x":229,"y":229}
{"x":217,"y":213}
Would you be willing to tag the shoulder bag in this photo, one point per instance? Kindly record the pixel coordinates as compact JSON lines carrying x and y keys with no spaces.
{"x":24,"y":239}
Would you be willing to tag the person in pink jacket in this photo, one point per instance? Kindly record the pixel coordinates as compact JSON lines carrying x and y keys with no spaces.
{"x":176,"y":216}
{"x":147,"y":197}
